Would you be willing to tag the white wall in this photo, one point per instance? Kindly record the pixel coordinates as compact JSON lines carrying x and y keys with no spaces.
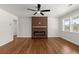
{"x":6,"y":27}
{"x":70,"y":36}
{"x":53,"y":29}
{"x":15,"y":26}
{"x":24,"y":27}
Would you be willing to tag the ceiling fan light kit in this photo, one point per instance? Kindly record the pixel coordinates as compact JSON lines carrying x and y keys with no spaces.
{"x":39,"y":10}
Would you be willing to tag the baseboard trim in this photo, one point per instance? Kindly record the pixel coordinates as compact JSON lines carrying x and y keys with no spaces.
{"x":69,"y":41}
{"x":24,"y":37}
{"x":6,"y":43}
{"x":31,"y":37}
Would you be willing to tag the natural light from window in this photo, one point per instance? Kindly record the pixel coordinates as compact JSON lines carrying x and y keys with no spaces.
{"x":75,"y":25}
{"x":66,"y":25}
{"x":71,"y":25}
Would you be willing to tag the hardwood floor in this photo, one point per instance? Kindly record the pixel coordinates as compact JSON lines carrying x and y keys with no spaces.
{"x":39,"y":46}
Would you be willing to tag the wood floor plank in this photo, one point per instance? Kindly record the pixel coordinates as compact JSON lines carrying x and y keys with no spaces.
{"x":39,"y":46}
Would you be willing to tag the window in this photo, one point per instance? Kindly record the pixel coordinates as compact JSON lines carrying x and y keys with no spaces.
{"x":66,"y":25}
{"x":75,"y":25}
{"x":71,"y":25}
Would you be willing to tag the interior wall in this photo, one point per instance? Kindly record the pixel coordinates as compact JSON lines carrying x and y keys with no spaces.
{"x":70,"y":36}
{"x":25,"y":30}
{"x":24,"y":27}
{"x":53,"y":29}
{"x":6,"y":27}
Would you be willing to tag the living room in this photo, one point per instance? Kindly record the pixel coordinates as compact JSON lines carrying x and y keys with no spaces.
{"x":39,"y":28}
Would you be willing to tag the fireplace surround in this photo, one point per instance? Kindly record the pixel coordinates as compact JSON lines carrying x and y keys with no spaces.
{"x":39,"y":27}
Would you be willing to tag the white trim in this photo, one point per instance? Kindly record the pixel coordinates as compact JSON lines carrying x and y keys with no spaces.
{"x":6,"y":42}
{"x":70,"y":41}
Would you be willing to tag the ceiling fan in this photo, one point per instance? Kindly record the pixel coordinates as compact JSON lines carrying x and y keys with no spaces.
{"x":39,"y":10}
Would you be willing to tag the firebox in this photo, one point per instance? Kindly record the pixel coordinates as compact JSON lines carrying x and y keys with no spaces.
{"x":39,"y":33}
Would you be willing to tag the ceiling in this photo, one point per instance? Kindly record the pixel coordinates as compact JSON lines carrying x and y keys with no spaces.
{"x":57,"y":10}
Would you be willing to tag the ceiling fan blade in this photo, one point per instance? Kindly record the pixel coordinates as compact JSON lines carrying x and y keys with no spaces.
{"x":31,"y":9}
{"x":35,"y":13}
{"x":45,"y":10}
{"x":38,"y":6}
{"x":41,"y":13}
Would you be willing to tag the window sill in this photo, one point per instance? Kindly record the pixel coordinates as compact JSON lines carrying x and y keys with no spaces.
{"x":71,"y":32}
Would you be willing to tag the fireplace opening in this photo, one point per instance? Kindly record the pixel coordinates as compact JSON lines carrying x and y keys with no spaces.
{"x":39,"y":33}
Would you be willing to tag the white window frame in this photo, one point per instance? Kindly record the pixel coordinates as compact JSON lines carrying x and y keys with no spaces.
{"x":64,"y":24}
{"x":70,"y":24}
